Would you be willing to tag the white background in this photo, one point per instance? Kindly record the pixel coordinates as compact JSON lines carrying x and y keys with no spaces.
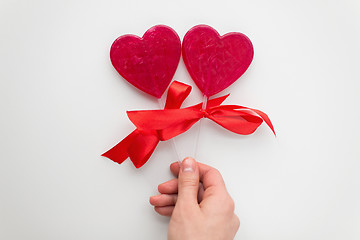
{"x":62,"y":105}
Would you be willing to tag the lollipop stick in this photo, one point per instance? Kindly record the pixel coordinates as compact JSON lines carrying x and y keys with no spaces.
{"x":162,"y":105}
{"x":205,"y":99}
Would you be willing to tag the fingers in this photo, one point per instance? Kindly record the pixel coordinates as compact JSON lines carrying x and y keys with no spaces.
{"x":169,"y":187}
{"x":200,"y":192}
{"x":175,"y":168}
{"x":163,"y":200}
{"x":208,"y":176}
{"x":211,"y":177}
{"x":164,"y":203}
{"x":213,"y":190}
{"x":236,"y":222}
{"x":169,"y":192}
{"x":188,"y":183}
{"x":196,"y":182}
{"x":165,"y":211}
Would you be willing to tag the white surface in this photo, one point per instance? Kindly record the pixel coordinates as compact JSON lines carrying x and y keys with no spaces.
{"x":62,"y":104}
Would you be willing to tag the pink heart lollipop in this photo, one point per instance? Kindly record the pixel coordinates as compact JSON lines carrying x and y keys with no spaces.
{"x":149,"y":63}
{"x":213,"y":61}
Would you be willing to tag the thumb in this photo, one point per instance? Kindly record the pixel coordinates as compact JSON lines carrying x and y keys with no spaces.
{"x":188,"y":182}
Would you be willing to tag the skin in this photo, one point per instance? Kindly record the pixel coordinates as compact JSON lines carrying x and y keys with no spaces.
{"x":197,"y":202}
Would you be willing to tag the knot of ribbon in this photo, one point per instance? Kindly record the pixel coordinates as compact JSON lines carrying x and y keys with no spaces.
{"x":153,"y":126}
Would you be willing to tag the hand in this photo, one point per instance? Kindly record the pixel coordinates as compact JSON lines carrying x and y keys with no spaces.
{"x":198,"y":203}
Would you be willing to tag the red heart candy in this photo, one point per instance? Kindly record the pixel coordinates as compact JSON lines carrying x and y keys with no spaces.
{"x":149,"y":63}
{"x":213,"y":61}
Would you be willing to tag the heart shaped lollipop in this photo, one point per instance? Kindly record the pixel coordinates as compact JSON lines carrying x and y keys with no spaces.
{"x":149,"y":63}
{"x":213,"y":61}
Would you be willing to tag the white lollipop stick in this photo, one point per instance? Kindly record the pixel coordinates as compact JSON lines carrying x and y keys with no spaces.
{"x":162,"y":105}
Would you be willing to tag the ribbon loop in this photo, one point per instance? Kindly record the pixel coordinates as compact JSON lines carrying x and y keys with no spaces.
{"x":177,"y":94}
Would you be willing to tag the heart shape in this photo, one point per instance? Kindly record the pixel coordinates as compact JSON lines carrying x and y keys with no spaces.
{"x":213,"y":61}
{"x":149,"y":63}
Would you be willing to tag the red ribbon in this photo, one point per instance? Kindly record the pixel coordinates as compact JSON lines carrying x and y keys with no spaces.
{"x":153,"y":126}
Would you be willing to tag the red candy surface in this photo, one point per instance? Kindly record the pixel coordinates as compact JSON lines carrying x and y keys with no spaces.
{"x":213,"y":61}
{"x":149,"y":63}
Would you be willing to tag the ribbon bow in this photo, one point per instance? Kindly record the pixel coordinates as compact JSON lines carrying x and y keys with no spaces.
{"x":153,"y":126}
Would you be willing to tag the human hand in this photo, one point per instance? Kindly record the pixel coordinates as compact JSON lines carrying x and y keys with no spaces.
{"x":198,"y":203}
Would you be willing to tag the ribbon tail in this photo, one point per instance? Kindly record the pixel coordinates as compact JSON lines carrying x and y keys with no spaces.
{"x":142,"y":147}
{"x":211,"y":103}
{"x":216,"y":101}
{"x":266,"y":119}
{"x":138,"y":145}
{"x":119,"y":153}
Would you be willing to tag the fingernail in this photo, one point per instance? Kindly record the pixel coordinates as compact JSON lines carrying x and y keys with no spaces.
{"x":188,"y":165}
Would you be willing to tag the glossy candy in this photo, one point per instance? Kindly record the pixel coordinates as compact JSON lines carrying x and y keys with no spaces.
{"x":149,"y":63}
{"x":213,"y":61}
